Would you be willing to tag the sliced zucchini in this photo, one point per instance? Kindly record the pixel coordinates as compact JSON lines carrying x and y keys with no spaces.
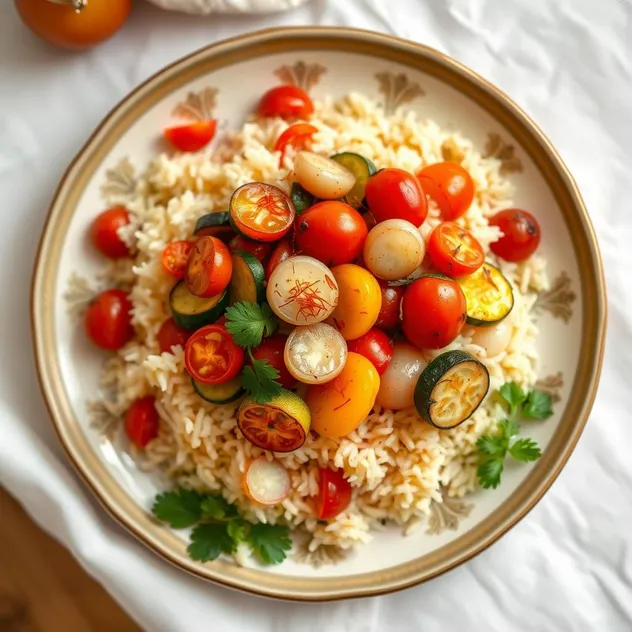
{"x":192,"y":312}
{"x":450,"y":389}
{"x":219,"y":393}
{"x":214,"y":225}
{"x":488,"y":294}
{"x":301,"y":198}
{"x":362,"y":168}
{"x":247,"y":281}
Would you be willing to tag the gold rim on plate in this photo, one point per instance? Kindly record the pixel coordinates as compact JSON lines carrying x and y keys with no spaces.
{"x":137,"y":520}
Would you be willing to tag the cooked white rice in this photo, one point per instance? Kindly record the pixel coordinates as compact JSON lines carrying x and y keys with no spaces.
{"x":396,"y":463}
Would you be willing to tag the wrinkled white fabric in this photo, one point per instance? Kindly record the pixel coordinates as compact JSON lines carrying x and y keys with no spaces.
{"x":228,"y":6}
{"x":568,"y":565}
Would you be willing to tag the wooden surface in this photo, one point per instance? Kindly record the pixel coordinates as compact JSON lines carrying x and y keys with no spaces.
{"x":42,"y":588}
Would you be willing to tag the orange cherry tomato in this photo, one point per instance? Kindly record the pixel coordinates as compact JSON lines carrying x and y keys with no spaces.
{"x":297,"y":136}
{"x":272,"y":350}
{"x":141,"y":421}
{"x":288,"y":102}
{"x":433,"y":312}
{"x":396,"y":194}
{"x":108,"y":321}
{"x":259,"y":249}
{"x":209,"y":267}
{"x":171,"y":335}
{"x":391,"y":302}
{"x":104,"y":232}
{"x":175,"y":257}
{"x":450,"y":186}
{"x":211,"y":356}
{"x":193,"y":136}
{"x":332,"y":232}
{"x":283,"y":250}
{"x":375,"y":346}
{"x":63,"y":25}
{"x":454,"y":251}
{"x":521,"y":234}
{"x":334,"y":494}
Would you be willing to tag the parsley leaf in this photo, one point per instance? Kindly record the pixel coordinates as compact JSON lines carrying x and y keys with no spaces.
{"x":492,"y":445}
{"x":179,"y":509}
{"x":489,"y":473}
{"x":270,"y":542}
{"x":247,"y":322}
{"x":216,"y":507}
{"x":513,"y":395}
{"x":509,"y":428}
{"x":525,"y":449}
{"x":260,"y":380}
{"x":208,"y":540}
{"x":537,"y":406}
{"x":237,"y":530}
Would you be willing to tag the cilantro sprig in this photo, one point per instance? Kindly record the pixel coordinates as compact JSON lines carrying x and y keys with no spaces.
{"x":218,"y":528}
{"x":248,"y":323}
{"x":494,"y":448}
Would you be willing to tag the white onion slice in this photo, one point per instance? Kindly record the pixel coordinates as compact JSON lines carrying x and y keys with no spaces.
{"x":267,"y":482}
{"x":323,"y":177}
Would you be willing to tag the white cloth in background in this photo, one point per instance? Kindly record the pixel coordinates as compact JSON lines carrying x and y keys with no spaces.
{"x":568,"y":565}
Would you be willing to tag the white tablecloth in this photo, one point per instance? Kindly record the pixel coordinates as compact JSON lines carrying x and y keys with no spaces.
{"x":568,"y":565}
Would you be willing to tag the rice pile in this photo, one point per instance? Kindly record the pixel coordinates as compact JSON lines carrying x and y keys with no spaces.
{"x":397,"y":464}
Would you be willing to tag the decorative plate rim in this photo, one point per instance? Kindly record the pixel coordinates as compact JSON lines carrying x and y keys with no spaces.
{"x":259,"y":44}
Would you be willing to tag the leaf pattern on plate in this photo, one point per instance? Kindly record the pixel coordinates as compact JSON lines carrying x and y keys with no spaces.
{"x":397,"y":90}
{"x":78,"y":294}
{"x":198,"y":106}
{"x":324,"y":555}
{"x":552,"y":384}
{"x":103,"y":419}
{"x":558,"y":300}
{"x":120,"y":182}
{"x":451,"y":152}
{"x":495,"y":147}
{"x":303,"y":75}
{"x":447,"y":514}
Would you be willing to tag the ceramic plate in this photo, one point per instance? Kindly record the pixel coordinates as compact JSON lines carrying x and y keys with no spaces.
{"x":571,"y":315}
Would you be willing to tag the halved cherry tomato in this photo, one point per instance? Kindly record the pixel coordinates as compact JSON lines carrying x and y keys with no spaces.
{"x":332,"y":232}
{"x":283,"y":250}
{"x":104,"y":232}
{"x":433,"y":312}
{"x":396,"y":194}
{"x":141,"y":421}
{"x":391,"y":302}
{"x":454,"y":251}
{"x":171,"y":335}
{"x":521,"y":234}
{"x":334,"y":494}
{"x":272,"y":349}
{"x":191,"y":137}
{"x":108,"y":321}
{"x":211,"y":356}
{"x":209,"y":267}
{"x":288,"y":102}
{"x":375,"y":346}
{"x":297,"y":135}
{"x":261,"y":211}
{"x":175,"y":257}
{"x":259,"y":249}
{"x":450,"y":186}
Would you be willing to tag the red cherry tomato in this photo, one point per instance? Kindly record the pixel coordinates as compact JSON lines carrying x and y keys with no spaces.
{"x":209,"y":267}
{"x":391,"y":301}
{"x":450,"y":186}
{"x":259,"y":249}
{"x":297,"y":136}
{"x":375,"y":346}
{"x":454,"y":251}
{"x":396,"y":194}
{"x":332,"y":232}
{"x":288,"y":102}
{"x":211,"y":356}
{"x":282,"y":251}
{"x":108,"y":321}
{"x":433,"y":312}
{"x":334,"y":494}
{"x":104,"y":232}
{"x":175,"y":257}
{"x":521,"y":234}
{"x":191,"y":137}
{"x":141,"y":421}
{"x":171,"y":335}
{"x":271,"y":349}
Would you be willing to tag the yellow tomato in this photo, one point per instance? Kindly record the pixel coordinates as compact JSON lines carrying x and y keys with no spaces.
{"x":340,"y":406}
{"x":359,"y":301}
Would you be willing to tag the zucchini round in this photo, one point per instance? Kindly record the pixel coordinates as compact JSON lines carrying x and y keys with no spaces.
{"x":247,"y":281}
{"x":450,"y":389}
{"x":362,"y":168}
{"x":214,"y":225}
{"x":301,"y":198}
{"x":219,"y":393}
{"x":488,"y":294}
{"x":192,"y":312}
